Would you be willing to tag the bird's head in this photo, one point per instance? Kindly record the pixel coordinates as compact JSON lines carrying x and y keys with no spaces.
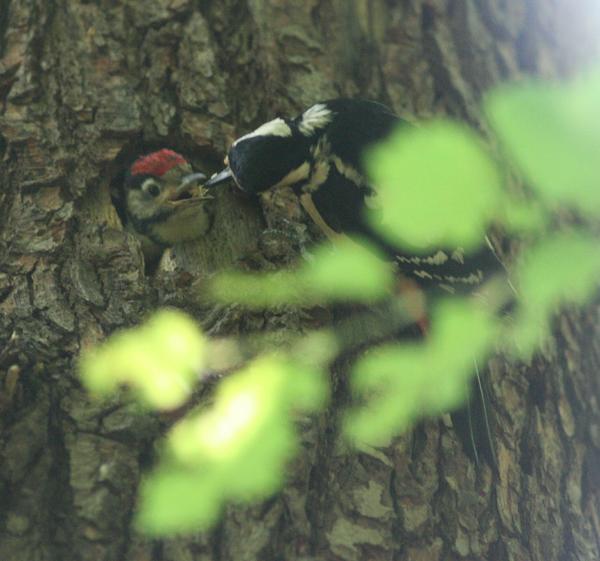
{"x":161,"y":184}
{"x":276,"y":154}
{"x":164,"y":202}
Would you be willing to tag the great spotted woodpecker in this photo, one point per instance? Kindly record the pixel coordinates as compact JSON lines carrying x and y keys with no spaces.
{"x":164,"y":203}
{"x":319,"y":154}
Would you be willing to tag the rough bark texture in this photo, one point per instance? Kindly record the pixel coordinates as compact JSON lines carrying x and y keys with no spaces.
{"x":86,"y":86}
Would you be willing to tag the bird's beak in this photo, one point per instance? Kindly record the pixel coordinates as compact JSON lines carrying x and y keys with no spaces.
{"x":184,"y":192}
{"x":219,"y":178}
{"x":189,"y":179}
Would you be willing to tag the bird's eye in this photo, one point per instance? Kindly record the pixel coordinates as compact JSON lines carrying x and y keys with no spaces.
{"x":151,"y":187}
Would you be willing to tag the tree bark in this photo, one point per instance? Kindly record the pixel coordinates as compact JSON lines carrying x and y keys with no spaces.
{"x":88,"y":86}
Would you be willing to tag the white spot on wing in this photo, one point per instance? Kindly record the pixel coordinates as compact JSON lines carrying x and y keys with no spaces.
{"x":438,"y":258}
{"x":276,"y":127}
{"x":315,"y":117}
{"x":459,"y":255}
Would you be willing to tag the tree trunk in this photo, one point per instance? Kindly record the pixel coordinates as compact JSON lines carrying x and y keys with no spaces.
{"x":88,"y":86}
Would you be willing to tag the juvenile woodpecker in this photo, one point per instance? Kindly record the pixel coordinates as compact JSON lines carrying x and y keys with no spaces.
{"x":319,"y":155}
{"x":164,"y":204}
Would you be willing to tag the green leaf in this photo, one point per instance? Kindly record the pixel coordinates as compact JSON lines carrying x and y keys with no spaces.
{"x":343,"y":271}
{"x":562,"y":269}
{"x":160,"y":360}
{"x":436,"y":186}
{"x":553,"y":134}
{"x":235,"y":451}
{"x":523,"y":217}
{"x":177,"y":500}
{"x":258,"y":290}
{"x":401,"y":382}
{"x":347,"y":271}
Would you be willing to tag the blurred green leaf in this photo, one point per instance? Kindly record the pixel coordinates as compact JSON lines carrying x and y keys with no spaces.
{"x":160,"y":360}
{"x":314,"y":349}
{"x":235,"y":451}
{"x":436,"y":186}
{"x":176,"y":500}
{"x":343,"y":271}
{"x":347,"y":271}
{"x":402,"y":382}
{"x":562,"y":269}
{"x":523,"y":217}
{"x":553,"y":135}
{"x":257,"y":290}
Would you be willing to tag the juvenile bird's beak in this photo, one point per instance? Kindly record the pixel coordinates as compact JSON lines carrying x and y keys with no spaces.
{"x":185,"y":192}
{"x":189,"y":179}
{"x":219,"y":178}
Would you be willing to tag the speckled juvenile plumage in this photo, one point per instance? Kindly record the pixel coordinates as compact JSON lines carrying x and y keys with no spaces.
{"x":163,"y":204}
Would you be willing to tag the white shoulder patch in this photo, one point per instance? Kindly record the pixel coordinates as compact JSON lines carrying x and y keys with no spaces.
{"x":276,"y":127}
{"x":315,"y":117}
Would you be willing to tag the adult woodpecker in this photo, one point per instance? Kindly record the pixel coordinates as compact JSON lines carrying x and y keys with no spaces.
{"x":319,"y":154}
{"x":163,"y":202}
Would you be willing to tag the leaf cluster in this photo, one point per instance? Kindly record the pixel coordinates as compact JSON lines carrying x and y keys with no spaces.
{"x":437,"y":185}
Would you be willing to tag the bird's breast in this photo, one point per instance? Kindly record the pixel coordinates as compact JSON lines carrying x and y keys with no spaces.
{"x":185,"y":224}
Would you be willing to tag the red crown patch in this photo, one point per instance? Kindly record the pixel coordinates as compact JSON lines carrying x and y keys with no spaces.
{"x":157,"y":163}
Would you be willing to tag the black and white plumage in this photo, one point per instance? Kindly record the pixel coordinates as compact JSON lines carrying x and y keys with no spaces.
{"x":319,"y":155}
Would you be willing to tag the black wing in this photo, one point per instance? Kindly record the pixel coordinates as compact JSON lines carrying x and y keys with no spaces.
{"x":340,"y":203}
{"x":358,"y":124}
